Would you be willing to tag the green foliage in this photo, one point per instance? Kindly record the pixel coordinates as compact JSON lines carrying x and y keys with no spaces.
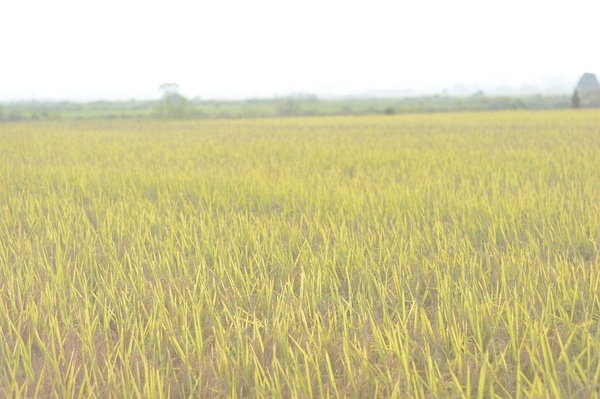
{"x":178,"y":107}
{"x":296,"y":104}
{"x":447,"y":255}
{"x":172,"y":106}
{"x":15,"y":116}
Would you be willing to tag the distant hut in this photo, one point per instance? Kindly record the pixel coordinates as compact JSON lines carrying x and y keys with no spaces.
{"x":588,"y":91}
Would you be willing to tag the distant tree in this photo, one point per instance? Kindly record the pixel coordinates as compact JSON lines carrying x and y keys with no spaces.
{"x":15,"y":116}
{"x":518,"y":104}
{"x":172,"y":104}
{"x":292,"y":104}
{"x":575,"y":101}
{"x":168,"y":88}
{"x":288,"y":106}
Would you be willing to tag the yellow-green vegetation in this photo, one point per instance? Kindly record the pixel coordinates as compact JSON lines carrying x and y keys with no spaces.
{"x":448,"y":255}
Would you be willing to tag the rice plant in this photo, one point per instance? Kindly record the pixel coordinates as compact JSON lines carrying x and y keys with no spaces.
{"x":442,"y":255}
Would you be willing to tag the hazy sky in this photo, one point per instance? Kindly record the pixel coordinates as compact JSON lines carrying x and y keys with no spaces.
{"x":121,"y":49}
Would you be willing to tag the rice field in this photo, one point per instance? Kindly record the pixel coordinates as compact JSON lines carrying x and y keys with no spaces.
{"x":409,"y":256}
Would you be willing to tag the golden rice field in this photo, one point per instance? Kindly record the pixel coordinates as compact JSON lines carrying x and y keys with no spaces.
{"x":409,"y":256}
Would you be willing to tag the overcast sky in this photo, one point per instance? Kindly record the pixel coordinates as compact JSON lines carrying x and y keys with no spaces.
{"x":121,"y":49}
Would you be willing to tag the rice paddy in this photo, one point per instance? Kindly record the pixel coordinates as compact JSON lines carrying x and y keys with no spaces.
{"x":409,"y":256}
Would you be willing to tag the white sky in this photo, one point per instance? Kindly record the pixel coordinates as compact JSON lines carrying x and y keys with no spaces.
{"x":121,"y":49}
